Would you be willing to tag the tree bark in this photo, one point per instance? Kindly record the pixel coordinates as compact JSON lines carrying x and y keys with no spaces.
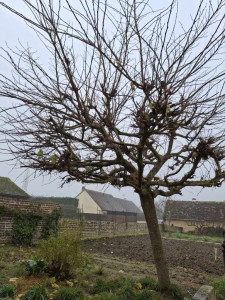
{"x":147,"y":202}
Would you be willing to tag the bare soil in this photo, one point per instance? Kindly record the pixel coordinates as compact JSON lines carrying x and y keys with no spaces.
{"x":197,"y":256}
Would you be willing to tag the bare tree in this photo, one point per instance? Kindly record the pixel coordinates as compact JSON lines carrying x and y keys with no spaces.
{"x":132,"y":98}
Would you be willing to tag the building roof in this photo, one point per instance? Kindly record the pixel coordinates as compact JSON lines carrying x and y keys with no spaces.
{"x":195,"y":210}
{"x":9,"y":188}
{"x":109,"y":203}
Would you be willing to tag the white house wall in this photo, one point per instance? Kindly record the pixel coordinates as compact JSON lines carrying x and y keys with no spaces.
{"x":87,"y":205}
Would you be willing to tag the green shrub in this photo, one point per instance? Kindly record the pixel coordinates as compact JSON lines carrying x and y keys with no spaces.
{"x":34,"y":266}
{"x":7,"y":291}
{"x":111,"y":285}
{"x":38,"y":292}
{"x":68,"y":294}
{"x":219,"y":286}
{"x":63,"y":255}
{"x":149,"y":283}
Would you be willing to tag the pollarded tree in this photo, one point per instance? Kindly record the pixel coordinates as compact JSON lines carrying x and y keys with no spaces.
{"x":131,"y":98}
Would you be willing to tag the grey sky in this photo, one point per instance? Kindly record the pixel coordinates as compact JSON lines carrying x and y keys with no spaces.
{"x":13,"y":29}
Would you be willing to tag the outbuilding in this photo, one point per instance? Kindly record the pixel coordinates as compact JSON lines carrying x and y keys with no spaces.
{"x":194,"y":216}
{"x":95,"y":205}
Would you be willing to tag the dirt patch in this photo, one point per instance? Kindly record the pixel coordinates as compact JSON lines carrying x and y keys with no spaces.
{"x":184,"y":254}
{"x":189,"y":280}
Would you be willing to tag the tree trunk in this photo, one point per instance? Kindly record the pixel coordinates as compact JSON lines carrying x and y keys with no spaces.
{"x":147,"y":202}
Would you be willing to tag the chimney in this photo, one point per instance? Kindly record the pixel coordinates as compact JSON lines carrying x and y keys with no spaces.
{"x":83,"y":188}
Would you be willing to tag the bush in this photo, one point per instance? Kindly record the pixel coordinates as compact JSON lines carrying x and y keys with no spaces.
{"x":38,"y":292}
{"x":149,"y":283}
{"x":219,"y":286}
{"x":7,"y":291}
{"x":34,"y":266}
{"x":68,"y":294}
{"x":63,"y":255}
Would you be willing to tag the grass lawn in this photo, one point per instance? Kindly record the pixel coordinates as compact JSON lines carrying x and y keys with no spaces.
{"x":192,"y":237}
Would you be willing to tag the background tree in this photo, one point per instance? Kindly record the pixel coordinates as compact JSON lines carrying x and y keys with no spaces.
{"x":130,"y":97}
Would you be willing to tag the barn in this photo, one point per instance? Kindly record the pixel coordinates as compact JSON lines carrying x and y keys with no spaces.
{"x":194,"y":216}
{"x":101,"y":206}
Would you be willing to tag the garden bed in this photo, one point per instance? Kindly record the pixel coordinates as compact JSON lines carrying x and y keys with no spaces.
{"x":186,"y":254}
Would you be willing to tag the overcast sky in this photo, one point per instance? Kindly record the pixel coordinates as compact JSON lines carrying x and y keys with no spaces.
{"x":13,"y":29}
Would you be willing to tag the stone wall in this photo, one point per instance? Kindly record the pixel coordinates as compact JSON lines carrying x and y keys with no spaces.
{"x":28,"y":205}
{"x":96,"y":228}
{"x":6,"y":222}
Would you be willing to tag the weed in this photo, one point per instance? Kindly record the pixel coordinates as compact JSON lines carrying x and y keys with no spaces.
{"x":3,"y":265}
{"x":219,"y":286}
{"x":110,"y":285}
{"x":69,"y":294}
{"x":146,"y":295}
{"x":176,"y":292}
{"x":99,"y":270}
{"x":149,"y":283}
{"x":38,"y":292}
{"x":106,"y":296}
{"x":18,"y":270}
{"x":7,"y":291}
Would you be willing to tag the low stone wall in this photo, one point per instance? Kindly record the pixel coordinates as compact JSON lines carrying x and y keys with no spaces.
{"x":96,"y":228}
{"x":205,"y":293}
{"x":27,"y":206}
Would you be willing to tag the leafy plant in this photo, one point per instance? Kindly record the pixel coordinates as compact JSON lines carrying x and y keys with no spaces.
{"x":69,"y":294}
{"x":63,"y":255}
{"x":34,"y":266}
{"x":38,"y":292}
{"x":219,"y":286}
{"x":7,"y":291}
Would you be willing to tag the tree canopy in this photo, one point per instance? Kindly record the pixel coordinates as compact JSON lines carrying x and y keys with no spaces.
{"x":131,"y":96}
